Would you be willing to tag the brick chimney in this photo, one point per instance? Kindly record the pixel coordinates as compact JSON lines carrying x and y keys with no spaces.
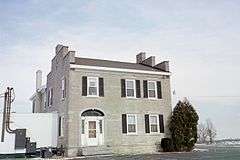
{"x":140,"y":57}
{"x":61,"y":49}
{"x":38,"y":80}
{"x":71,"y":56}
{"x":163,"y":66}
{"x":149,"y":61}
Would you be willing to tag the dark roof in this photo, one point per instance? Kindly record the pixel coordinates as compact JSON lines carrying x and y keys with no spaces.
{"x":113,"y":64}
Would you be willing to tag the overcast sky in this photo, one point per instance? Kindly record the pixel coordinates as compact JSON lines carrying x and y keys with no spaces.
{"x":199,"y":38}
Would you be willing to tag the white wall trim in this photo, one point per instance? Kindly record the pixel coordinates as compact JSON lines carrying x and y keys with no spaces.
{"x":118,"y":69}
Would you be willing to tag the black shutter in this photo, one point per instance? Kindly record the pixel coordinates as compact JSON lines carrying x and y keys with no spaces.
{"x":84,"y":86}
{"x":59,"y":126}
{"x":159,"y":90}
{"x":124,"y":123}
{"x":145,"y":89}
{"x":161,"y":123}
{"x":101,"y":87}
{"x":138,"y":90}
{"x":147,"y":129}
{"x":123,"y":89}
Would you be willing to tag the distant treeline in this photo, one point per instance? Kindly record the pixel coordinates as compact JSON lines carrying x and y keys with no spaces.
{"x":227,"y":140}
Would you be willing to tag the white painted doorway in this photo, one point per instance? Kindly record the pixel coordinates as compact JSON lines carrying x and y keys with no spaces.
{"x":92,"y":130}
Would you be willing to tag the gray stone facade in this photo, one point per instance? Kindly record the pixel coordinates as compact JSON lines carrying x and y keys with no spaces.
{"x":112,"y":105}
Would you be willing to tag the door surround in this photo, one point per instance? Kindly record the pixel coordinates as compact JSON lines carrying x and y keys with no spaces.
{"x":92,"y":127}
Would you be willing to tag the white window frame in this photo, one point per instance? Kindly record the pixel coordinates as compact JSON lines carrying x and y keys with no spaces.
{"x":62,"y":121}
{"x":88,"y":85}
{"x":158,"y":128}
{"x":63,"y":88}
{"x":134,"y":87}
{"x":132,"y":133}
{"x":155,"y":82}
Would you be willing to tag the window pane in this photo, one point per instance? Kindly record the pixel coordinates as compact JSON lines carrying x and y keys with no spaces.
{"x":151,"y":85}
{"x":130,"y":92}
{"x":62,"y":121}
{"x":92,"y":134}
{"x":92,"y":90}
{"x":153,"y":119}
{"x":152,"y":93}
{"x":92,"y":125}
{"x":130,"y":85}
{"x":92,"y":129}
{"x":154,"y":128}
{"x":131,"y":128}
{"x":63,"y":84}
{"x":131,"y":119}
{"x":83,"y":123}
{"x":100,"y":126}
{"x":92,"y":84}
{"x":63,"y":88}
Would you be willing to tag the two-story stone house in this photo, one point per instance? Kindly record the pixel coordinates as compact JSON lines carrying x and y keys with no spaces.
{"x":104,"y":105}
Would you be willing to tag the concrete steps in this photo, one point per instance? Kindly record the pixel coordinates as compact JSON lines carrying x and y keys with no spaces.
{"x":96,"y":150}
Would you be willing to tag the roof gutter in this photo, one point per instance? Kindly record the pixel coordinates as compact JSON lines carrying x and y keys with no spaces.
{"x":76,"y":66}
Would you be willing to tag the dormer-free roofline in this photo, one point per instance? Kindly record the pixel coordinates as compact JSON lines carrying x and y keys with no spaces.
{"x":76,"y":66}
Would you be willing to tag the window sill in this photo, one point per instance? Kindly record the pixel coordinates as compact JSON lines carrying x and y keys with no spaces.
{"x":154,"y":134}
{"x":131,"y":98}
{"x":131,"y":134}
{"x":153,"y":99}
{"x":91,"y":96}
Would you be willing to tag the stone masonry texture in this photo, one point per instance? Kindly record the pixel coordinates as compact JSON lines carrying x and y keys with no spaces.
{"x":112,"y":105}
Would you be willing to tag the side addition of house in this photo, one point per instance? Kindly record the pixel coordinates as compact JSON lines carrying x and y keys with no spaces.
{"x":106,"y":106}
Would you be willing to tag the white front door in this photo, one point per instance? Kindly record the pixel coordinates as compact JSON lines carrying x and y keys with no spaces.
{"x":92,"y":130}
{"x":93,"y":135}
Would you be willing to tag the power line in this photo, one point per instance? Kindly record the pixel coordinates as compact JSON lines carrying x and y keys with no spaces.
{"x":207,"y":96}
{"x":215,"y":96}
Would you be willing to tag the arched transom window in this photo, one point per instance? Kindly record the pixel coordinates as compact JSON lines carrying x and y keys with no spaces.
{"x":92,"y":112}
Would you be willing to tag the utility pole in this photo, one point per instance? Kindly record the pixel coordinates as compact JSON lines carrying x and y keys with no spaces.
{"x":4,"y":116}
{"x":8,"y":99}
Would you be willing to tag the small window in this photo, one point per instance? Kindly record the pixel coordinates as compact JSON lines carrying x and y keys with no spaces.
{"x":131,"y":123}
{"x":154,"y":124}
{"x":63,"y":87}
{"x":152,"y":89}
{"x":130,"y":88}
{"x":61,"y":121}
{"x":92,"y":86}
